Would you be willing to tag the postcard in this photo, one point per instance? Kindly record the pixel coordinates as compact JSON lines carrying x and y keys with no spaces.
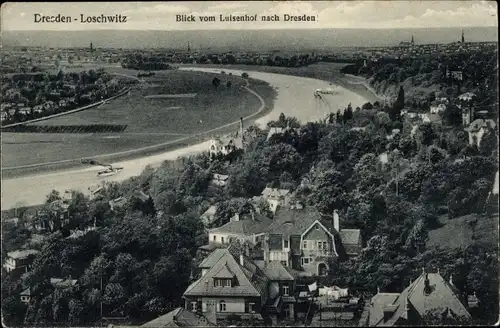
{"x":249,"y":163}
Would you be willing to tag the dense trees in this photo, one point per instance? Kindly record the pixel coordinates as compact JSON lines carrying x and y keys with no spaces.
{"x":393,"y":190}
{"x":43,"y":94}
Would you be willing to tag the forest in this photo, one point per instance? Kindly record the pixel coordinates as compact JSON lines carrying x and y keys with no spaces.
{"x":395,"y":188}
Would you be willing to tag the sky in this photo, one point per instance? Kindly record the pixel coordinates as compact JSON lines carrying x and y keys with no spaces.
{"x":327,"y":14}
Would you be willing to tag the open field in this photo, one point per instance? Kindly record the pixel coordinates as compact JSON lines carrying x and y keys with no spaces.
{"x":294,"y":97}
{"x":148,"y":121}
{"x":464,"y":231}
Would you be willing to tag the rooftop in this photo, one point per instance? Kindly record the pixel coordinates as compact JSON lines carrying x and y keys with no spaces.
{"x":274,"y":192}
{"x":22,"y":254}
{"x":178,"y":318}
{"x":246,"y":226}
{"x":437,"y":300}
{"x":251,"y":281}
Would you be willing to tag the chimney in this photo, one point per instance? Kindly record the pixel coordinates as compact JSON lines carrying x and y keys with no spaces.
{"x":427,"y":286}
{"x":451,"y":279}
{"x":242,"y":262}
{"x":336,"y":223}
{"x":236,"y":217}
{"x":253,"y":215}
{"x":265,"y":247}
{"x":247,"y":249}
{"x":378,"y":290}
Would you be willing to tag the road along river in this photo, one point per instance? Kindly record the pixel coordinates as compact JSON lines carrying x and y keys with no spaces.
{"x":294,"y":98}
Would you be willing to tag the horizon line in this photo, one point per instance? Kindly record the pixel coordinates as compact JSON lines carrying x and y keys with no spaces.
{"x":258,"y":29}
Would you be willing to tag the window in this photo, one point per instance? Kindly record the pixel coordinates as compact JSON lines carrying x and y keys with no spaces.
{"x":193,"y":306}
{"x":284,"y":263}
{"x":286,"y":290}
{"x":304,"y":244}
{"x":222,"y":306}
{"x":222,"y":240}
{"x":322,"y":245}
{"x":222,"y":282}
{"x":215,"y":238}
{"x":286,"y":244}
{"x":306,"y":260}
{"x":316,"y":227}
{"x":250,"y":307}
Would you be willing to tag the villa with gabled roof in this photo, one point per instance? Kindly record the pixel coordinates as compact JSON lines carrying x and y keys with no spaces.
{"x":231,"y":283}
{"x":304,"y":239}
{"x":430,"y":295}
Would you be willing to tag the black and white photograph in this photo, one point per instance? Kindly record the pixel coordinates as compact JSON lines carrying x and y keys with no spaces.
{"x":249,"y":164}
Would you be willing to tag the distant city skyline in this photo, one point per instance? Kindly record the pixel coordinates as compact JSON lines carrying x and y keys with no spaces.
{"x":334,"y":14}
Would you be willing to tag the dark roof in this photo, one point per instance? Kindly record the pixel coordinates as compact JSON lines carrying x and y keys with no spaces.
{"x":178,"y":318}
{"x":350,"y":236}
{"x":290,"y":222}
{"x":251,"y":281}
{"x":440,"y":299}
{"x":274,"y":270}
{"x":246,"y":226}
{"x":212,"y":258}
{"x":224,"y":273}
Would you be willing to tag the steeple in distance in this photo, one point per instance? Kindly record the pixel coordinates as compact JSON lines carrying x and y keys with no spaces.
{"x":189,"y":47}
{"x":463,"y":38}
{"x":412,"y":40}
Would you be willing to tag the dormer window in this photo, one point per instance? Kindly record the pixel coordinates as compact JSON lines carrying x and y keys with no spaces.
{"x":222,"y":282}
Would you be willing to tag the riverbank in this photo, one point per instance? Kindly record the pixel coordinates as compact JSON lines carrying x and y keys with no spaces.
{"x":294,"y":98}
{"x":328,"y":72}
{"x":138,"y":153}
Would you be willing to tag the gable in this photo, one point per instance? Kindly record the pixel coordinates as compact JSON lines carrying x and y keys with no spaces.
{"x":438,"y":300}
{"x":316,"y":228}
{"x":316,"y":232}
{"x":205,"y":285}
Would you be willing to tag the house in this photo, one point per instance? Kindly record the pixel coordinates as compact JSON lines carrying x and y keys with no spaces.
{"x":468,"y":96}
{"x":139,"y":194}
{"x":94,"y":191}
{"x":431,"y":118}
{"x":227,"y":144}
{"x":439,"y":108}
{"x":117,"y":203}
{"x":233,"y":284}
{"x":477,"y":129}
{"x":249,"y":227}
{"x":53,"y":217}
{"x":302,"y":238}
{"x":276,"y":197}
{"x":20,"y":259}
{"x":220,"y":179}
{"x":208,"y":217}
{"x":429,"y":295}
{"x":465,"y":103}
{"x":179,"y":317}
{"x":58,"y":283}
